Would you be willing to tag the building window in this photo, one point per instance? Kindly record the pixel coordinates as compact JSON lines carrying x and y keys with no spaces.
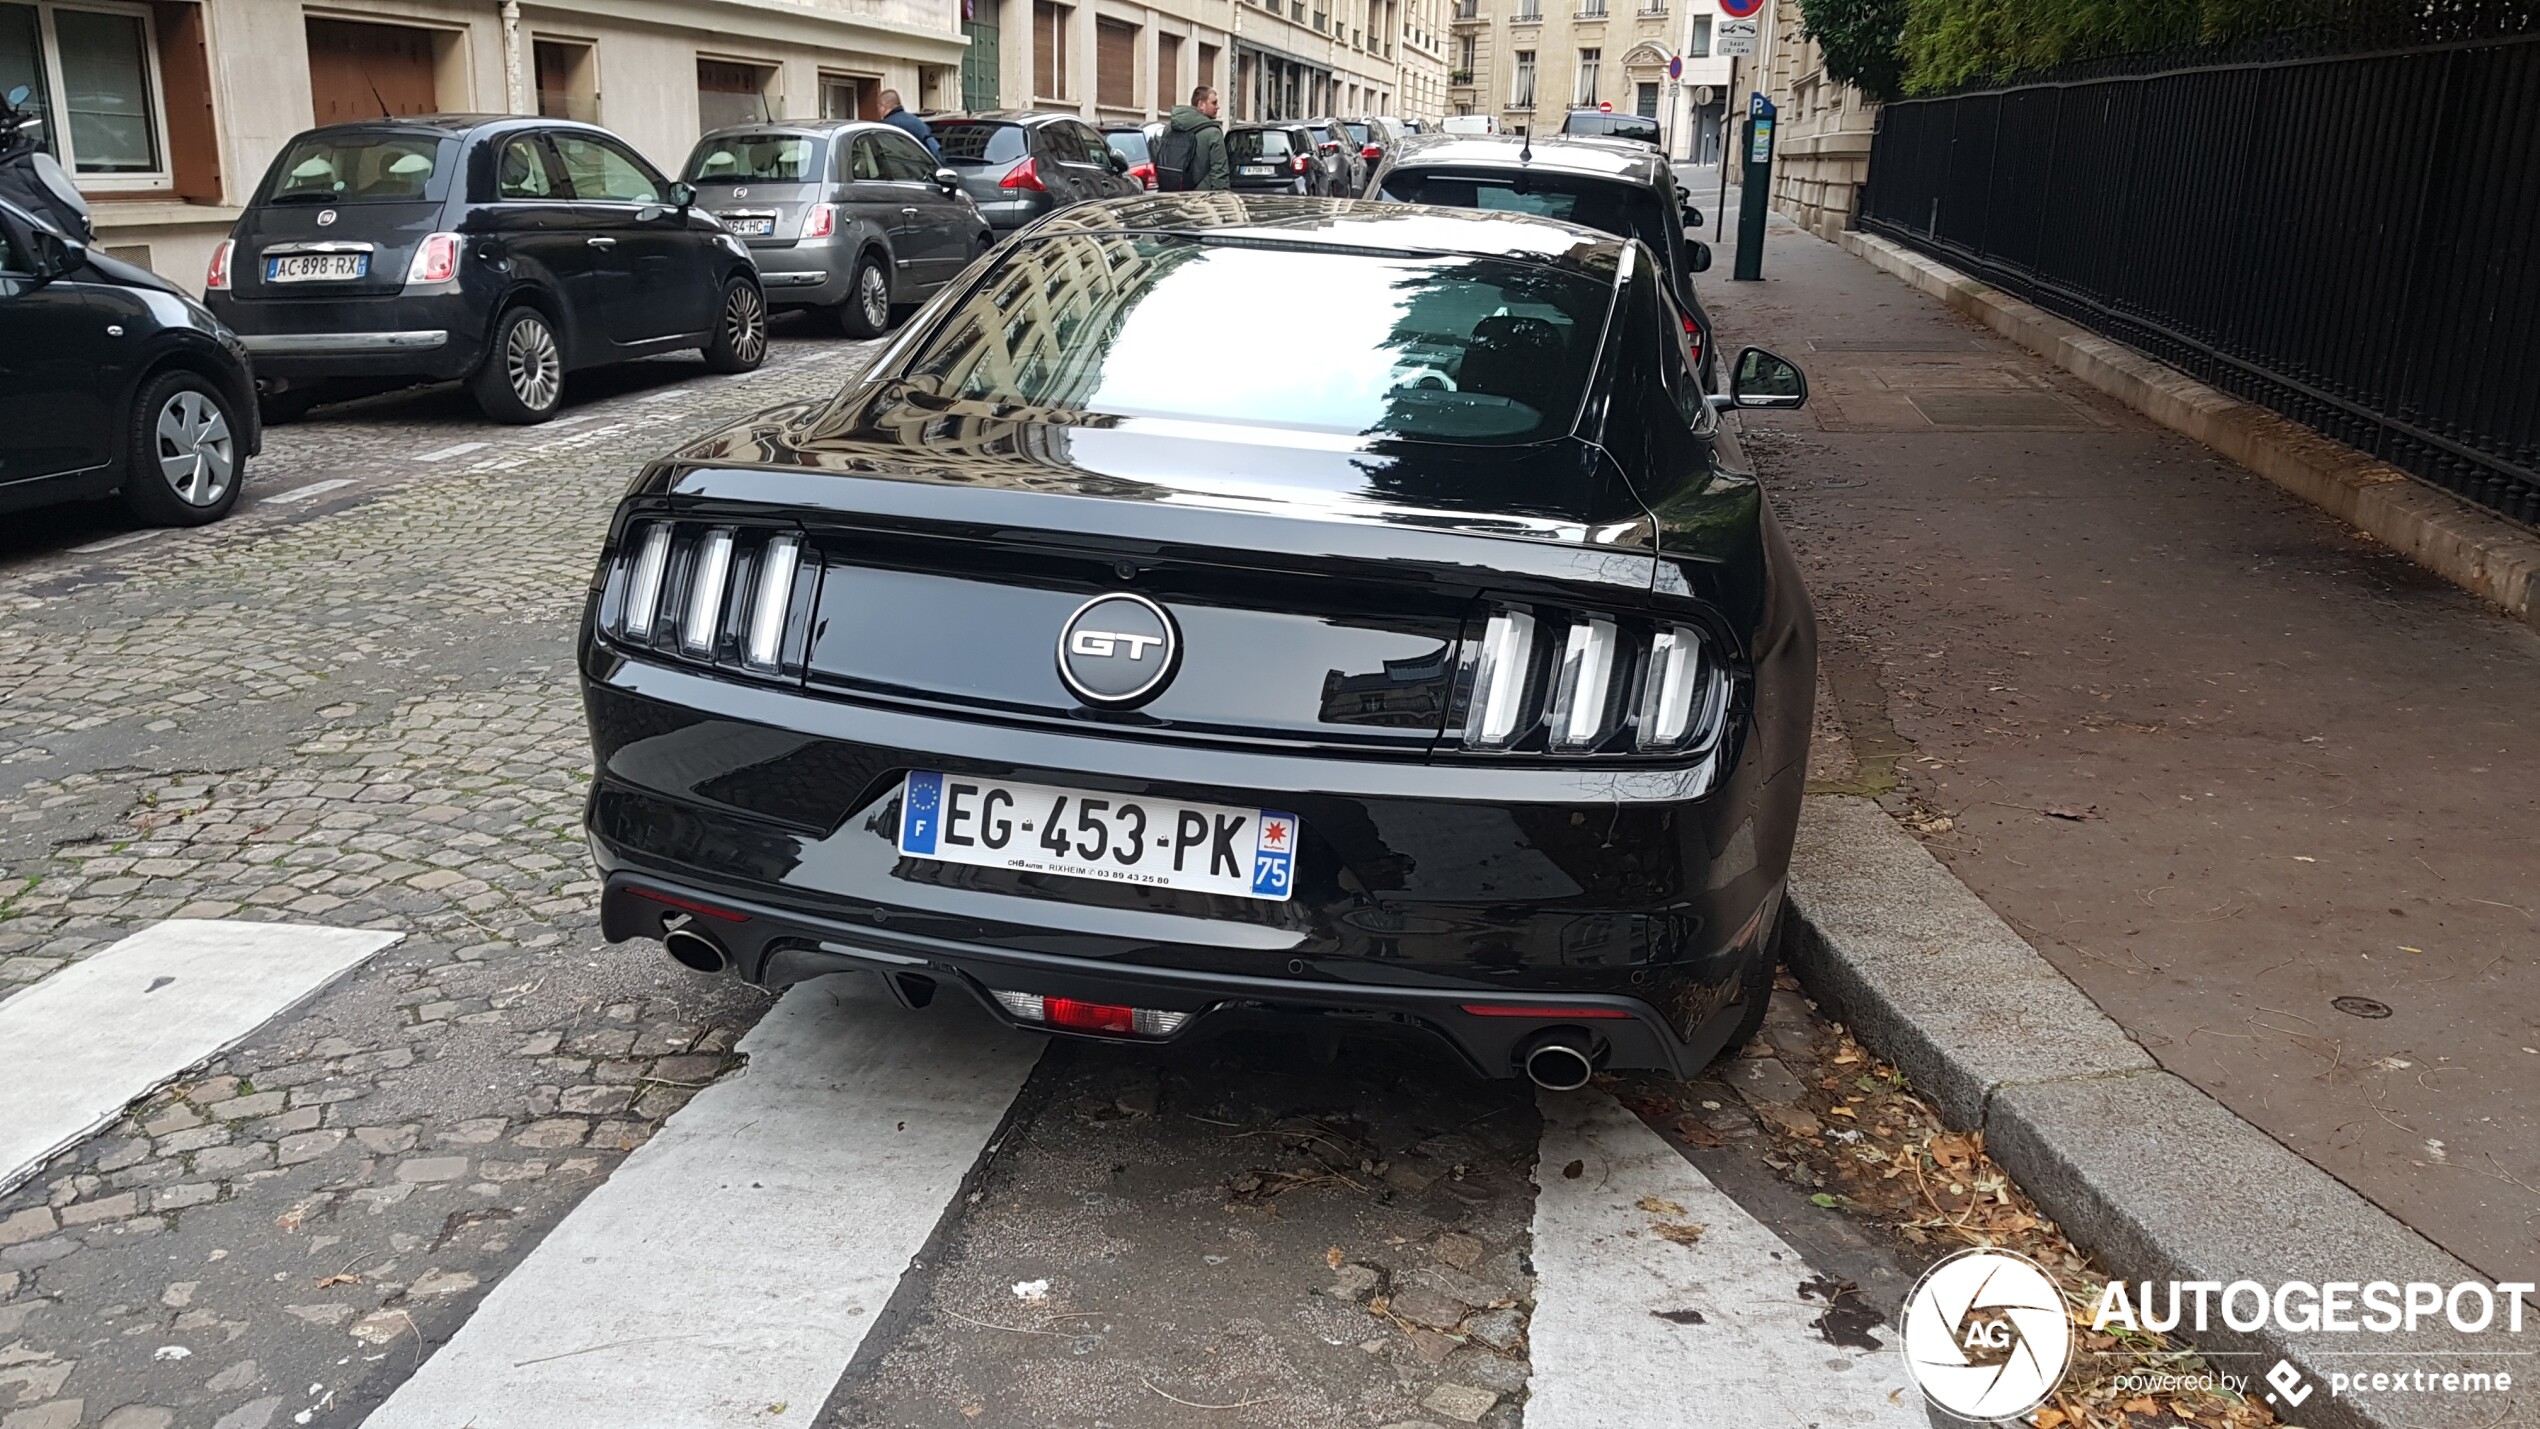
{"x":568,"y":80}
{"x":1701,"y":46}
{"x":1591,"y":9}
{"x":733,"y":92}
{"x":1115,"y":65}
{"x":1589,"y":62}
{"x":94,"y":77}
{"x":1521,"y":91}
{"x":847,"y":96}
{"x":1049,"y":49}
{"x":1529,"y":10}
{"x":1466,"y":47}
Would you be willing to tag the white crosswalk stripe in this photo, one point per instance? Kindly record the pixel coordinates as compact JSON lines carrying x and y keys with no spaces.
{"x":1605,"y":1358}
{"x":734,"y":1263}
{"x":144,"y":1010}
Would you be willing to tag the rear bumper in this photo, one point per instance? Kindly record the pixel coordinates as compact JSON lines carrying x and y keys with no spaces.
{"x":424,"y":336}
{"x":814,"y":274}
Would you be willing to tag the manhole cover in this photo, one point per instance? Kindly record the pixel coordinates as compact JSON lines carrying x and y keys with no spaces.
{"x":1997,"y":409}
{"x":2360,"y":1006}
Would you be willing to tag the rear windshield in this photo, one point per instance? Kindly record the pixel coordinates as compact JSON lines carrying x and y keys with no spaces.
{"x":1462,"y":350}
{"x":360,"y":168}
{"x":980,"y":143}
{"x":1130,"y":144}
{"x":1619,"y":126}
{"x":768,"y":158}
{"x":1624,"y":210}
{"x":1357,"y":132}
{"x":1246,"y":144}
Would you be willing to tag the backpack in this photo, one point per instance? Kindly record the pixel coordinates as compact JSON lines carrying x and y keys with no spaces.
{"x":1176,"y":155}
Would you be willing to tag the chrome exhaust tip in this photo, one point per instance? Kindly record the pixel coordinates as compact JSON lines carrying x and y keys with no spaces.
{"x":1559,"y":1063}
{"x":695,"y":951}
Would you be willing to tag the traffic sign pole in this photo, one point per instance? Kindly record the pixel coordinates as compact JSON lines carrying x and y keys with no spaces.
{"x":1720,"y":210}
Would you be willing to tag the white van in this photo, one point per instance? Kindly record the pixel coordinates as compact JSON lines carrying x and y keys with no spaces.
{"x":1469,"y":124}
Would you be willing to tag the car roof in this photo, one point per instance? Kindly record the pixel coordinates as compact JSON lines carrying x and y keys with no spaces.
{"x":1004,"y":116}
{"x":456,"y":125}
{"x":1625,"y":160}
{"x":799,"y":128}
{"x":1356,"y":223}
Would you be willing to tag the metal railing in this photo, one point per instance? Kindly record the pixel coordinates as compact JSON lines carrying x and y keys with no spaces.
{"x":2344,"y":238}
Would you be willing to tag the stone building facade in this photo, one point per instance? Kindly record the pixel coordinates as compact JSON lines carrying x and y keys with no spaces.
{"x":1822,"y":150}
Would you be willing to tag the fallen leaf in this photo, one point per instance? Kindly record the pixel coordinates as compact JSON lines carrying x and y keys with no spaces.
{"x":1333,"y":1257}
{"x":1692,"y":1128}
{"x":1681,"y":1234}
{"x":2141,"y":1404}
{"x":1842,"y":1111}
{"x":1659,"y":1206}
{"x":339,"y":1278}
{"x":2068,"y":811}
{"x":2048,"y":1418}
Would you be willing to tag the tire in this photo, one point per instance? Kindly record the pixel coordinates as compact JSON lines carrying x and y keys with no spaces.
{"x":867,"y":310}
{"x":1756,"y":992}
{"x":739,"y":343}
{"x":521,"y":381}
{"x":182,"y":463}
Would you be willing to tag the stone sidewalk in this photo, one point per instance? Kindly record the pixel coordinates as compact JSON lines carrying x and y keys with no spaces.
{"x":2261,"y":788}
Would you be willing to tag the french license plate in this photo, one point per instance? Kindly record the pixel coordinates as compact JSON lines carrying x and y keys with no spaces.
{"x":751,"y":227}
{"x":1260,"y":171}
{"x":1159,"y":843}
{"x":316,"y":267}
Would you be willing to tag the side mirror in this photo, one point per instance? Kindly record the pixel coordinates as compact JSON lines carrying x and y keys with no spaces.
{"x":949,"y":180}
{"x":684,"y":195}
{"x":1119,"y":161}
{"x":1692,"y":216}
{"x":56,"y":255}
{"x":1697,"y":256}
{"x":1762,"y":379}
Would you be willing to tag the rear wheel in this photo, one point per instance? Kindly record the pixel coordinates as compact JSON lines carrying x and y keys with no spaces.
{"x":867,"y":310}
{"x":740,"y":329}
{"x":182,"y":465}
{"x":522,"y":379}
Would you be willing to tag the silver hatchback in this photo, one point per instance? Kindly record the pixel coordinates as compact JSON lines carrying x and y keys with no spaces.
{"x":852,"y":216}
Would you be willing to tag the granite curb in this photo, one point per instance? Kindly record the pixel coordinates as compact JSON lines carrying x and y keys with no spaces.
{"x":2138,"y":1167}
{"x":2483,"y":554}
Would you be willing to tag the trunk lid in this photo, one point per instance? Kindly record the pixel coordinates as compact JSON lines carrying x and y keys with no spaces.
{"x":386,"y":234}
{"x":741,"y":204}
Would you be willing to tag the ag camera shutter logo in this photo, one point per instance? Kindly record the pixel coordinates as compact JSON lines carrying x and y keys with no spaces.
{"x":1987,"y":1335}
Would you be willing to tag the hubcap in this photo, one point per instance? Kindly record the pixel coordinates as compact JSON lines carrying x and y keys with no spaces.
{"x":875,"y":293}
{"x":530,"y":360}
{"x":197,"y":456}
{"x":745,"y":324}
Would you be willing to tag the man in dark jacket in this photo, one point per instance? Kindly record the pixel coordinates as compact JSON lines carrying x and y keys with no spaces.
{"x":1193,"y":128}
{"x":898,"y":118}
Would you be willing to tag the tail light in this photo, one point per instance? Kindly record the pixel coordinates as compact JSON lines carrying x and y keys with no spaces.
{"x":821,"y":221}
{"x":1372,"y":151}
{"x":1602,"y":686}
{"x":733,"y":596}
{"x":1145,"y":174}
{"x":436,"y":259}
{"x":1102,"y":1017}
{"x":1025,"y":175}
{"x":216,"y":278}
{"x":1693,"y":337}
{"x":1300,"y":163}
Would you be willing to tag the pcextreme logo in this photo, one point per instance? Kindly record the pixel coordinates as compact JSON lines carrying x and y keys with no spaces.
{"x":1987,"y":1335}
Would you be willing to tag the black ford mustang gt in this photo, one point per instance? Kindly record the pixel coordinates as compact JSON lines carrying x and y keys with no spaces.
{"x":1216,"y":611}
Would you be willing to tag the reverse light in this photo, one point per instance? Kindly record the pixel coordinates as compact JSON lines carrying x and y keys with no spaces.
{"x":1025,"y":175}
{"x":436,"y":259}
{"x":643,"y":587}
{"x":1499,"y":680}
{"x":821,"y":221}
{"x":705,"y":592}
{"x":1103,"y":1017}
{"x":216,"y":278}
{"x":1683,"y":696}
{"x":1582,"y":688}
{"x":765,"y":634}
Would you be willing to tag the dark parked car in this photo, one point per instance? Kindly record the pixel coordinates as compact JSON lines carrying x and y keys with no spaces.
{"x":112,"y":380}
{"x":1449,"y":678}
{"x":1339,"y":152}
{"x":1135,"y":143}
{"x":1376,"y":138}
{"x":1604,"y":124}
{"x":1275,"y":158}
{"x":1622,"y":188}
{"x":1019,"y":166}
{"x":855,"y":217}
{"x":500,"y":250}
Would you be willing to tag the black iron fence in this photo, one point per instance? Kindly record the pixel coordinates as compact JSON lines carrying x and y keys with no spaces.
{"x":2347,"y":239}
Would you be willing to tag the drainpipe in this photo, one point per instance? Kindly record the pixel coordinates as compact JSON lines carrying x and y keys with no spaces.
{"x":515,"y":97}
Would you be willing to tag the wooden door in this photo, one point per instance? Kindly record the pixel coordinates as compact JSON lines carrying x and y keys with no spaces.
{"x":360,"y":71}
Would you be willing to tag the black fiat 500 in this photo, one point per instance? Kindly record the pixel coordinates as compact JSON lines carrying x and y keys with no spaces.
{"x":1441,"y":672}
{"x":503,"y":251}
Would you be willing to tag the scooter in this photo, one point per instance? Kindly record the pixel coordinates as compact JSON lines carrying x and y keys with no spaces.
{"x":32,"y":178}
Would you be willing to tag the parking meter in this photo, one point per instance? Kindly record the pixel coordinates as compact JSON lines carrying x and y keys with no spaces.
{"x":1755,"y":195}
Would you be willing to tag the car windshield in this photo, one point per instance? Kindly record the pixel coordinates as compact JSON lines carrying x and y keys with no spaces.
{"x":1624,"y":210}
{"x":767,"y":158}
{"x":1253,"y":144}
{"x":360,"y":168}
{"x":1130,"y":144}
{"x":967,"y":144}
{"x":1455,"y":349}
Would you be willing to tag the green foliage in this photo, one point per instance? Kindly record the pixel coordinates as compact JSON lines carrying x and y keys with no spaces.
{"x":1862,"y":40}
{"x":1949,"y":43}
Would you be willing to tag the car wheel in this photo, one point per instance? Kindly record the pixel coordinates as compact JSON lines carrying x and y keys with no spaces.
{"x":740,"y":329}
{"x":182,"y":465}
{"x":522,"y":378}
{"x":1756,"y":992}
{"x":867,"y":310}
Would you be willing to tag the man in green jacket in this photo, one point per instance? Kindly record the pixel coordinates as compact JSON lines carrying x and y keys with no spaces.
{"x":1193,"y":138}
